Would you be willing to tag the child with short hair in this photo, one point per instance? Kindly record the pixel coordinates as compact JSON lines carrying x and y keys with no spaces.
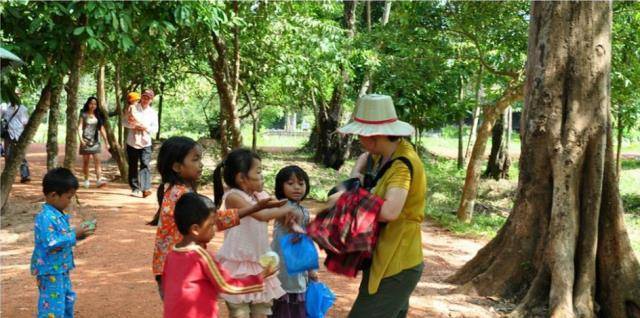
{"x":292,"y":184}
{"x":54,"y":239}
{"x":192,"y":276}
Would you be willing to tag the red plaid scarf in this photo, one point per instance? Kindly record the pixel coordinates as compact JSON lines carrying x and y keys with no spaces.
{"x":348,"y":231}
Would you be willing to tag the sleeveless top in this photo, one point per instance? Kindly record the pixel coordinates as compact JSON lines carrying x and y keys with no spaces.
{"x":243,"y":245}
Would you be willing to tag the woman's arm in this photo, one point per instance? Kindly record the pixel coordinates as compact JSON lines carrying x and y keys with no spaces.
{"x":394,"y":201}
{"x":103,"y":132}
{"x":359,"y":166}
{"x":80,"y":129}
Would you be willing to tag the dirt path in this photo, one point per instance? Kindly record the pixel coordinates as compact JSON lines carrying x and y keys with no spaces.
{"x":113,"y":276}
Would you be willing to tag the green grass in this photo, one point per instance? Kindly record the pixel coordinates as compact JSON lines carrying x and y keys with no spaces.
{"x":445,"y":182}
{"x":632,"y":223}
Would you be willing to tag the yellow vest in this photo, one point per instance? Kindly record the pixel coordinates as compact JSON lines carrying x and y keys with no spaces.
{"x":399,"y":245}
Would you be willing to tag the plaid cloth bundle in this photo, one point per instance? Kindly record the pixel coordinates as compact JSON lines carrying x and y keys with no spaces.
{"x":348,"y":231}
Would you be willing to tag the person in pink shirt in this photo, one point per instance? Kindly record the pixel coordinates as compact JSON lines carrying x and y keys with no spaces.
{"x":192,"y":277}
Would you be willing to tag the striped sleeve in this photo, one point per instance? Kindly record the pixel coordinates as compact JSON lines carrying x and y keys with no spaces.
{"x":223,"y":281}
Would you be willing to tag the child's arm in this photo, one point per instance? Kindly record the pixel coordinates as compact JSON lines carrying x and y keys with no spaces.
{"x":268,"y":203}
{"x":229,"y":218}
{"x":49,"y":239}
{"x":224,"y":282}
{"x":234,"y":201}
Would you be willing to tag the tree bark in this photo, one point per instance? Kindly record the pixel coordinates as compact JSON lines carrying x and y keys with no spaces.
{"x":52,"y":128}
{"x":476,"y":115}
{"x":227,"y":95}
{"x":499,"y":163}
{"x":332,"y":148}
{"x":71,"y":145}
{"x":18,"y":153}
{"x":116,"y":151}
{"x":564,"y":245}
{"x":470,"y":189}
{"x":254,"y":121}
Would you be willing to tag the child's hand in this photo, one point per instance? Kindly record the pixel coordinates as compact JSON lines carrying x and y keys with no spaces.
{"x":269,"y":271}
{"x":82,"y":233}
{"x":269,"y":203}
{"x":313,"y":276}
{"x":85,"y":229}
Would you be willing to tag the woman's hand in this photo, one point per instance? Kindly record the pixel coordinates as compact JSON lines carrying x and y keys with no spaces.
{"x":313,"y":276}
{"x":361,"y":163}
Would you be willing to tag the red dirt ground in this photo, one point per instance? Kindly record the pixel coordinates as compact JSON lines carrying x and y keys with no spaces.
{"x":113,"y":275}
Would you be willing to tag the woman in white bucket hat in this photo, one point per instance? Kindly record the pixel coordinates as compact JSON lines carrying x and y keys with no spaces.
{"x":397,"y":259}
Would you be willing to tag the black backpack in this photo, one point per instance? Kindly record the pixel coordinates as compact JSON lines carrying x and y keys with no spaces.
{"x":4,"y":124}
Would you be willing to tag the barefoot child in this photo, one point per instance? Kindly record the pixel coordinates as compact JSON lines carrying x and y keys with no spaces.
{"x":192,"y":277}
{"x":54,"y":238}
{"x":180,"y":165}
{"x":292,"y":183}
{"x":244,"y":244}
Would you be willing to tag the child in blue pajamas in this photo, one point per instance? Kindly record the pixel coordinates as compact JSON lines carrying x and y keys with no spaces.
{"x":54,"y":238}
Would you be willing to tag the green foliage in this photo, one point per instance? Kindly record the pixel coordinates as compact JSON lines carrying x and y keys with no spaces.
{"x":625,"y":96}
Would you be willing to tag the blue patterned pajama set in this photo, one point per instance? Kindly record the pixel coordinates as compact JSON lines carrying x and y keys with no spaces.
{"x":51,"y":262}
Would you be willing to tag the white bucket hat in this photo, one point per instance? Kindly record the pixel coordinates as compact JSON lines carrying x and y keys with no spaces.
{"x":375,"y":115}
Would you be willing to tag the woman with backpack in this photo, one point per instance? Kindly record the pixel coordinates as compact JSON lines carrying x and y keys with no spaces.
{"x":392,"y":164}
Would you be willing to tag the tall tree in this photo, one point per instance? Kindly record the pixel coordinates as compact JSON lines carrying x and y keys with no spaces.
{"x":564,"y":242}
{"x":79,"y":46}
{"x":115,"y":149}
{"x":52,"y":127}
{"x":332,"y":148}
{"x":499,"y":163}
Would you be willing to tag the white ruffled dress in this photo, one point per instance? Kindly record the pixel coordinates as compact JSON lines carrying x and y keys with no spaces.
{"x":243,"y":245}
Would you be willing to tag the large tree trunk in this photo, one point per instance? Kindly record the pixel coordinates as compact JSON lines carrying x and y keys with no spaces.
{"x":116,"y":151}
{"x":18,"y":153}
{"x":499,"y":163}
{"x":52,"y":128}
{"x":564,"y":244}
{"x":71,"y":145}
{"x":470,"y":189}
{"x":332,"y":148}
{"x":227,"y":95}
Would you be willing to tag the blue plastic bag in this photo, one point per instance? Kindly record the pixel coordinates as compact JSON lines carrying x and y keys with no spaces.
{"x":300,"y":256}
{"x":319,"y":298}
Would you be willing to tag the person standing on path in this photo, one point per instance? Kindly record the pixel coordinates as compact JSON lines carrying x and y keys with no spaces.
{"x":90,"y":127}
{"x":16,"y":117}
{"x":142,"y":121}
{"x":397,"y":262}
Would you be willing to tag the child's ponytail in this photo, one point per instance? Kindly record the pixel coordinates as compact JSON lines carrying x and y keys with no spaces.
{"x":159,"y":197}
{"x":218,"y":189}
